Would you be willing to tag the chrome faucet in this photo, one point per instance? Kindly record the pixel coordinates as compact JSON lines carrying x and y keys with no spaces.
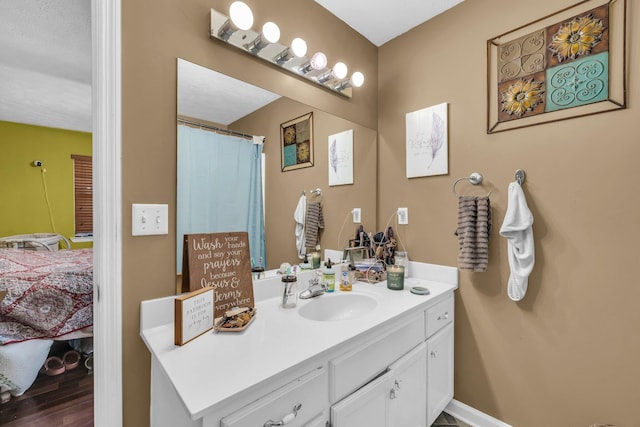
{"x":315,"y":288}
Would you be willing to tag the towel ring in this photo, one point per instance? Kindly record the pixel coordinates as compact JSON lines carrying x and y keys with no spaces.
{"x":475,"y":178}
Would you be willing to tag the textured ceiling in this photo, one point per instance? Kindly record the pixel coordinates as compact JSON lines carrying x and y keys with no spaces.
{"x":45,"y":58}
{"x":208,"y":95}
{"x":382,"y":20}
{"x":45,"y":65}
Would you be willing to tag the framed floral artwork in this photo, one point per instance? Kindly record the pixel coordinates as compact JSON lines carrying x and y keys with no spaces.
{"x":296,"y":140}
{"x":568,"y":64}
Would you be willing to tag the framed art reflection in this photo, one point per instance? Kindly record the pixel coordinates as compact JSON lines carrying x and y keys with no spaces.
{"x":296,"y":140}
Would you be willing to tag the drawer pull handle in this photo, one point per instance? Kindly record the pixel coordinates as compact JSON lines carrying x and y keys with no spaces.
{"x":434,"y":354}
{"x":444,"y":316}
{"x":392,"y":394}
{"x":286,"y":419}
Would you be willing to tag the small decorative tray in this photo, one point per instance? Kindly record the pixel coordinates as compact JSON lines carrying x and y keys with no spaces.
{"x":235,"y":320}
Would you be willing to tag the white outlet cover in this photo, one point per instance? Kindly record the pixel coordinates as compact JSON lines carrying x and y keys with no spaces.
{"x":149,"y":219}
{"x":403,"y":216}
{"x":357,"y":215}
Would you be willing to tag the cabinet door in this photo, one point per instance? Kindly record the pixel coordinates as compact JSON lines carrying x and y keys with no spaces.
{"x":439,"y":372}
{"x":368,"y":406}
{"x":408,"y":395}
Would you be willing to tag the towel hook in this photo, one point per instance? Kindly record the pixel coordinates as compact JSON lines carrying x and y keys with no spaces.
{"x":520,"y":176}
{"x":475,"y":178}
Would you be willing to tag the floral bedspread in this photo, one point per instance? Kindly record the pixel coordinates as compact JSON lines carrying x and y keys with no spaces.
{"x":49,"y":294}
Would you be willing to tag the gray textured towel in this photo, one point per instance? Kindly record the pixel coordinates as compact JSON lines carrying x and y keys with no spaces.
{"x":474,"y":229}
{"x":314,"y":222}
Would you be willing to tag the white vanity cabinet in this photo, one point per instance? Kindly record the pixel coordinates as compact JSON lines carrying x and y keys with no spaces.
{"x":391,"y":367}
{"x":414,"y":389}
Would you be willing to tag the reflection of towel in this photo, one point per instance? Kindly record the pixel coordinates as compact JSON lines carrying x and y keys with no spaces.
{"x":315,"y":221}
{"x":474,"y":228}
{"x":298,"y":216}
{"x":517,"y":228}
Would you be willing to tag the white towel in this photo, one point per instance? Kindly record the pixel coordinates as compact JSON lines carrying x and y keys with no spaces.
{"x":517,"y":228}
{"x":298,"y":216}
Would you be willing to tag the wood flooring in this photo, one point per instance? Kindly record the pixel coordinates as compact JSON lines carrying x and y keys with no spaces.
{"x":61,"y":400}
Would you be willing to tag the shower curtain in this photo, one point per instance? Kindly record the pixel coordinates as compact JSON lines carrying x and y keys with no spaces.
{"x":219,"y":188}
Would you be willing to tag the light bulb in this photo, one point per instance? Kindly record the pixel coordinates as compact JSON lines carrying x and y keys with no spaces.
{"x":299,"y":47}
{"x":318,"y":61}
{"x":340,"y":70}
{"x":271,"y":32}
{"x":241,"y":15}
{"x":357,"y":79}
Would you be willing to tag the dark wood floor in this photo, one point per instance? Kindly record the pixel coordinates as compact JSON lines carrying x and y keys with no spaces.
{"x":61,"y":400}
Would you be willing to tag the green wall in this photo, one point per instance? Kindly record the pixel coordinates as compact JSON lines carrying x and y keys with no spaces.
{"x":23,"y":207}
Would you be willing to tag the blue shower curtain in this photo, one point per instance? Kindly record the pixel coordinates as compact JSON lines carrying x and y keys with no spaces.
{"x":219,"y":188}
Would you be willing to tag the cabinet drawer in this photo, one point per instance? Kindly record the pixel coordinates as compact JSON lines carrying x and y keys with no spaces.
{"x":439,"y":315}
{"x":309,"y":391}
{"x":357,"y":367}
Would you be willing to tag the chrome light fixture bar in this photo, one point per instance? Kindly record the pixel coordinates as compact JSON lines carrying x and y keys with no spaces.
{"x":236,"y":29}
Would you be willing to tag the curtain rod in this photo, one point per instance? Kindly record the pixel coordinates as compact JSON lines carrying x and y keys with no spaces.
{"x":216,"y":129}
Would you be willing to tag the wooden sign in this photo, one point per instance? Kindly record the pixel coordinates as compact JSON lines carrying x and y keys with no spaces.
{"x":193,"y":315}
{"x":221,"y":261}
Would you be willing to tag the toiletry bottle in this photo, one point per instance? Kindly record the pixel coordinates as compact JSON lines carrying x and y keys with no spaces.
{"x":329,"y":277}
{"x":401,"y":258}
{"x":345,"y":283}
{"x":289,"y":291}
{"x":353,"y":277}
{"x":305,"y":265}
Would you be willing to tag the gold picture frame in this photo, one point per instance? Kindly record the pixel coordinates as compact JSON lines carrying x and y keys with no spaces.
{"x":539,"y":73}
{"x":296,"y":143}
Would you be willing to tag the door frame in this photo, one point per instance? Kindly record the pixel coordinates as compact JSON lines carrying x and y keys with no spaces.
{"x":107,"y":216}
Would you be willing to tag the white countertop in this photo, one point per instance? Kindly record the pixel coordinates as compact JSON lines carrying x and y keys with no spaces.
{"x":217,"y":366}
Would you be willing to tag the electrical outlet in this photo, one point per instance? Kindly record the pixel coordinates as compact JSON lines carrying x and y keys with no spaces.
{"x":149,"y":219}
{"x":357,"y":218}
{"x":403,"y":216}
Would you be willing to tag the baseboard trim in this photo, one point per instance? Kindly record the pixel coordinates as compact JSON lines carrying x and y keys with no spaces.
{"x":472,"y":416}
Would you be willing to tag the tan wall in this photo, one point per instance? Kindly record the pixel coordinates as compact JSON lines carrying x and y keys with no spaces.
{"x":154,"y":35}
{"x":567,"y":355}
{"x":283,"y":188}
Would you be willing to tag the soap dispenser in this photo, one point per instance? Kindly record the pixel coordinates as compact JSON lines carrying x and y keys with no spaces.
{"x":329,"y":276}
{"x":305,"y":265}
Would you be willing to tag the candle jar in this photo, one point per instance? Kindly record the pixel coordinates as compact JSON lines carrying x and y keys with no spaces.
{"x":315,"y":260}
{"x":289,"y":291}
{"x":395,"y":277}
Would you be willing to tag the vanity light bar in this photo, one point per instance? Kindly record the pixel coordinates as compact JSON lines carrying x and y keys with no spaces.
{"x":235,"y":30}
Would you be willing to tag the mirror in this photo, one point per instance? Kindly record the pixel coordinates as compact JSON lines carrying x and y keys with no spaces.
{"x":208,"y":99}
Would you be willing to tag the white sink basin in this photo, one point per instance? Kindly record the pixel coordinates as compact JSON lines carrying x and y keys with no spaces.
{"x":339,"y":306}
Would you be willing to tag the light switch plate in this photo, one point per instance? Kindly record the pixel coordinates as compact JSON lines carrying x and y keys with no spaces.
{"x":149,"y":219}
{"x":403,"y":216}
{"x":357,"y":215}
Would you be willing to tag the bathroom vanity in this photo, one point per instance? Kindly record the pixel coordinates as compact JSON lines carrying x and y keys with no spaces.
{"x":369,"y":357}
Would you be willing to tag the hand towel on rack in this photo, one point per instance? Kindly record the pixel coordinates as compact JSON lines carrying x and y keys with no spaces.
{"x":298,"y":216}
{"x":474,"y":229}
{"x":315,"y":221}
{"x":517,"y":228}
